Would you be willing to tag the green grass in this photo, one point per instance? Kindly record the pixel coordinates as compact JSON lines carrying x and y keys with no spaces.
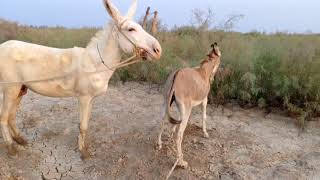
{"x":281,"y":70}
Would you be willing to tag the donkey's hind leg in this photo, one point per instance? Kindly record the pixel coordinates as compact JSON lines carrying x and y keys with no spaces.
{"x":9,"y":96}
{"x":16,"y":135}
{"x":165,"y":117}
{"x":173,"y":130}
{"x":185,"y":111}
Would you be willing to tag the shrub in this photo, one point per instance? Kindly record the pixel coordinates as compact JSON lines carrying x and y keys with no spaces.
{"x":280,"y":70}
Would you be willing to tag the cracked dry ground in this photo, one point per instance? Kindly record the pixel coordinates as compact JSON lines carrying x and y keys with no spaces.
{"x":243,"y":144}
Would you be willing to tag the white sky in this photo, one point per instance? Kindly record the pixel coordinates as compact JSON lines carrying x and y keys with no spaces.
{"x":261,"y":15}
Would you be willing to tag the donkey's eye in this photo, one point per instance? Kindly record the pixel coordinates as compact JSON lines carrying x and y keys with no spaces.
{"x":131,"y":29}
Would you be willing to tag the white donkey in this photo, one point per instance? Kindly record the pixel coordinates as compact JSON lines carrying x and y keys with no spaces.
{"x":22,"y":62}
{"x":189,"y":87}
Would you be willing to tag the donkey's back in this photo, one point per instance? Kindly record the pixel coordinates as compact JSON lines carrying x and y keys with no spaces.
{"x":24,"y":61}
{"x":186,"y":83}
{"x":14,"y":51}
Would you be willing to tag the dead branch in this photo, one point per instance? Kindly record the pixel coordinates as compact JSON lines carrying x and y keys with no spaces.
{"x":144,"y":23}
{"x":154,"y":28}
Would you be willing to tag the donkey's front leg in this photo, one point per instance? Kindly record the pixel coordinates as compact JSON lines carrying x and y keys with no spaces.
{"x":204,"y":117}
{"x":85,"y":104}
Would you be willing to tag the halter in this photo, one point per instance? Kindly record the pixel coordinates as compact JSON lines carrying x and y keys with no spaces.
{"x":137,"y":54}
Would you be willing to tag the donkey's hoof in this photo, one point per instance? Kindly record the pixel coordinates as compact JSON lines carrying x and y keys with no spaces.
{"x":171,"y":136}
{"x":159,"y":147}
{"x":12,"y":151}
{"x":183,"y":164}
{"x":85,"y":154}
{"x":20,"y":140}
{"x":206,"y":135}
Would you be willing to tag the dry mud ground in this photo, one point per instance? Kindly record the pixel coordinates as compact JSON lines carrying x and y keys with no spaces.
{"x":243,"y":144}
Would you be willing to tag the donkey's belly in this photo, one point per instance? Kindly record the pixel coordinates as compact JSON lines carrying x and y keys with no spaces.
{"x":57,"y":88}
{"x":196,"y":102}
{"x":95,"y":85}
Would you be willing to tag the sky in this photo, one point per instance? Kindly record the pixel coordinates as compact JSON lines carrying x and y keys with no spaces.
{"x":298,"y":16}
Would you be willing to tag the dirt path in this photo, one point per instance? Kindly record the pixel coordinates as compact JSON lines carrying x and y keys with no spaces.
{"x":243,"y":144}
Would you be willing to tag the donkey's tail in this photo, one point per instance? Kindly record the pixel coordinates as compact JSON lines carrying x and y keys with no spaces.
{"x":173,"y":120}
{"x":170,"y":96}
{"x":171,"y":100}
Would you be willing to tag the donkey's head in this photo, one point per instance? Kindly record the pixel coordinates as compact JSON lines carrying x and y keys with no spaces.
{"x":215,"y":52}
{"x":213,"y":56}
{"x":131,"y":34}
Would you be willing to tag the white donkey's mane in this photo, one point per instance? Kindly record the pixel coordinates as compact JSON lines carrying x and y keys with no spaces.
{"x":106,"y":41}
{"x":101,"y":35}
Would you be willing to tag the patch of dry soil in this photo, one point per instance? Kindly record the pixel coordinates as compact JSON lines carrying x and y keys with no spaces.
{"x":243,"y":144}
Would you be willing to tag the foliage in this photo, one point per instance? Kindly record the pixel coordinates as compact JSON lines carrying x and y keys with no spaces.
{"x":280,"y":70}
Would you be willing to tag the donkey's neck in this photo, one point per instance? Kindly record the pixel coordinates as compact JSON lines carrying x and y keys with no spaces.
{"x":208,"y":68}
{"x":104,"y":47}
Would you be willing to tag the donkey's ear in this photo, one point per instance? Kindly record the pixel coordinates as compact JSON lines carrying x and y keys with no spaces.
{"x":132,"y":10}
{"x":113,"y":11}
{"x":217,"y":51}
{"x":214,"y":44}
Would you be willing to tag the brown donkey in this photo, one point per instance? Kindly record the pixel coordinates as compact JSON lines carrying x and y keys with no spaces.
{"x":188,"y":87}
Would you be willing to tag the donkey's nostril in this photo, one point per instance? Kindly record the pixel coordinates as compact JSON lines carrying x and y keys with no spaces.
{"x":156,"y":50}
